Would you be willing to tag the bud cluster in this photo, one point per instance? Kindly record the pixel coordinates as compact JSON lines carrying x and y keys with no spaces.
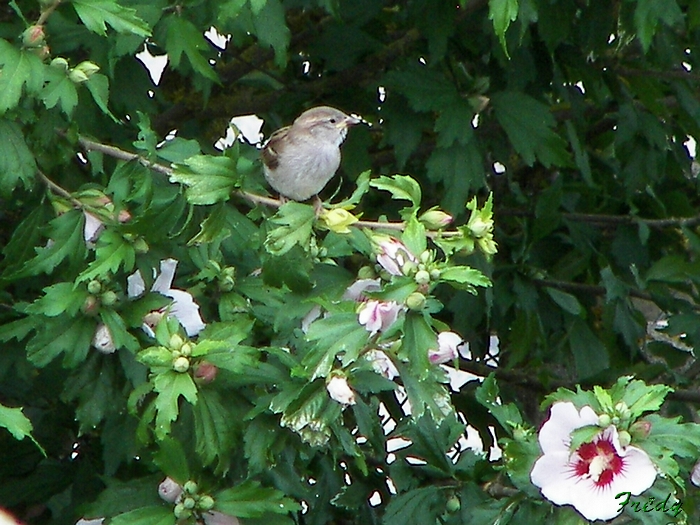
{"x":100,"y":295}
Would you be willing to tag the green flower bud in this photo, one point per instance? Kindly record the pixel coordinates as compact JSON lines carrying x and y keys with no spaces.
{"x":366,"y":272}
{"x":435,"y":274}
{"x":60,"y":63}
{"x":422,"y":277}
{"x":94,"y":287}
{"x":625,"y":438}
{"x":426,"y":257}
{"x":140,"y":245}
{"x":186,"y":349}
{"x":604,"y":420}
{"x":77,"y":77}
{"x":188,"y":503}
{"x":181,"y":512}
{"x":206,"y":503}
{"x":415,"y":301}
{"x":191,"y":487}
{"x":435,"y":219}
{"x":109,"y":298}
{"x":33,"y":36}
{"x":408,"y":268}
{"x":453,"y":505}
{"x":175,"y":342}
{"x":87,"y":67}
{"x":181,"y":365}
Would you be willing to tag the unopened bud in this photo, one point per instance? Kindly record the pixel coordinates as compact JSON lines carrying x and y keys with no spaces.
{"x":425,"y":257}
{"x":94,"y":287}
{"x":60,"y":63}
{"x":206,"y":503}
{"x":422,"y":277}
{"x":43,"y":52}
{"x":140,"y":245}
{"x":33,"y":36}
{"x":191,"y":487}
{"x":640,"y":429}
{"x":453,"y":505}
{"x":109,"y":298}
{"x":188,"y":503}
{"x":175,"y":342}
{"x":206,"y":372}
{"x":435,"y":219}
{"x":366,"y":272}
{"x":181,"y":512}
{"x":415,"y":301}
{"x":408,"y":268}
{"x":186,"y":349}
{"x":604,"y":420}
{"x":625,"y":438}
{"x":435,"y":274}
{"x":123,"y":216}
{"x":77,"y":77}
{"x":87,"y":67}
{"x":181,"y":365}
{"x":91,"y":305}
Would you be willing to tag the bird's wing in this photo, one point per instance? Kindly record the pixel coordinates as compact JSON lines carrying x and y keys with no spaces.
{"x":270,"y":154}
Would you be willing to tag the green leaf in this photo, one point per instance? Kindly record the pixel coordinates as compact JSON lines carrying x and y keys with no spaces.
{"x":528,"y":124}
{"x":59,"y":89}
{"x":648,"y":14}
{"x":66,"y":231}
{"x":156,"y":515}
{"x":15,"y":421}
{"x":413,"y":235}
{"x":508,"y":415}
{"x":17,"y":70}
{"x":96,"y":13}
{"x":503,"y":12}
{"x":415,"y":507}
{"x":170,"y":385}
{"x":184,"y":37}
{"x":590,"y":355}
{"x":426,"y":89}
{"x":460,"y":169}
{"x":112,"y":253}
{"x":582,"y":435}
{"x":565,"y":300}
{"x":338,"y":334}
{"x":213,"y":430}
{"x":58,"y":299}
{"x":171,"y":459}
{"x":250,"y":500}
{"x":466,"y":277}
{"x":98,"y":86}
{"x":17,"y":163}
{"x":208,"y":179}
{"x":401,"y":187}
{"x":270,"y":26}
{"x":419,"y":337}
{"x":61,"y":334}
{"x":296,"y":223}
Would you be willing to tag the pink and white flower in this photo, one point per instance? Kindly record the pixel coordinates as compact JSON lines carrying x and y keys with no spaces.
{"x":183,"y":307}
{"x":590,"y":476}
{"x":695,"y":476}
{"x":169,"y":490}
{"x":340,"y":391}
{"x":448,"y":348}
{"x":393,"y":255}
{"x":378,"y":316}
{"x":381,"y":364}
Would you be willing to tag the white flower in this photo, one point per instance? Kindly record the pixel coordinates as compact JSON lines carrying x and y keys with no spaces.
{"x":591,"y":476}
{"x":448,"y":348}
{"x":695,"y":477}
{"x":102,"y":340}
{"x":393,"y":255}
{"x":356,"y":291}
{"x":381,"y":364}
{"x":183,"y":307}
{"x":169,"y":490}
{"x":82,"y":521}
{"x":340,"y":391}
{"x":377,"y":316}
{"x":92,"y":229}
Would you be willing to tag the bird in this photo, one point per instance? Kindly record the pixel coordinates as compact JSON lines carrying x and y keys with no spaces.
{"x":299,"y":160}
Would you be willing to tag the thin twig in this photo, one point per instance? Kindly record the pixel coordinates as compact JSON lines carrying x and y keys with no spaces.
{"x":58,"y":190}
{"x":47,"y":12}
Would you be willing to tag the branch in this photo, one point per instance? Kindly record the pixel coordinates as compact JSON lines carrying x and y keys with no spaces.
{"x":58,"y":190}
{"x":608,"y":220}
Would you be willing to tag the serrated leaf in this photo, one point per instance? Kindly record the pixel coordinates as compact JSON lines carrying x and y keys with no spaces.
{"x":529,"y":125}
{"x":15,"y":422}
{"x":18,"y":70}
{"x":466,"y":276}
{"x":401,"y":187}
{"x":590,"y":355}
{"x":183,"y":37}
{"x":649,"y":13}
{"x":213,"y":429}
{"x":270,"y":26}
{"x":96,"y":14}
{"x":338,"y":334}
{"x":17,"y":163}
{"x":66,"y":232}
{"x":58,"y":335}
{"x":112,"y":252}
{"x":170,"y":386}
{"x":59,"y":298}
{"x":296,"y":224}
{"x":208,"y":179}
{"x":59,"y":89}
{"x":503,"y":12}
{"x":250,"y":500}
{"x":415,"y":507}
{"x":156,"y":515}
{"x":172,"y":460}
{"x":98,"y":86}
{"x":413,"y":235}
{"x":507,"y":415}
{"x":426,"y":89}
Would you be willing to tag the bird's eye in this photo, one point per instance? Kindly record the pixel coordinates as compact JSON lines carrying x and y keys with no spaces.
{"x":332,"y":121}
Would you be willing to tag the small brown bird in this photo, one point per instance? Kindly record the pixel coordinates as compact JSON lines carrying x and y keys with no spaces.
{"x":300,"y":159}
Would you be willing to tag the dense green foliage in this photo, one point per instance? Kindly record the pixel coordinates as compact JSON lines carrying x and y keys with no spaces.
{"x":558,"y":132}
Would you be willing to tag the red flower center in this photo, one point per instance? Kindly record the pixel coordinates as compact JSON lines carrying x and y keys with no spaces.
{"x":599,"y":461}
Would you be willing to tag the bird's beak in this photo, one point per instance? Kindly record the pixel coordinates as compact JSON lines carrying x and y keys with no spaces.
{"x":350,"y":121}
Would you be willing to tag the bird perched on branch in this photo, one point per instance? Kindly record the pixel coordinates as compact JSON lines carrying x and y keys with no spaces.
{"x":300,"y":159}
